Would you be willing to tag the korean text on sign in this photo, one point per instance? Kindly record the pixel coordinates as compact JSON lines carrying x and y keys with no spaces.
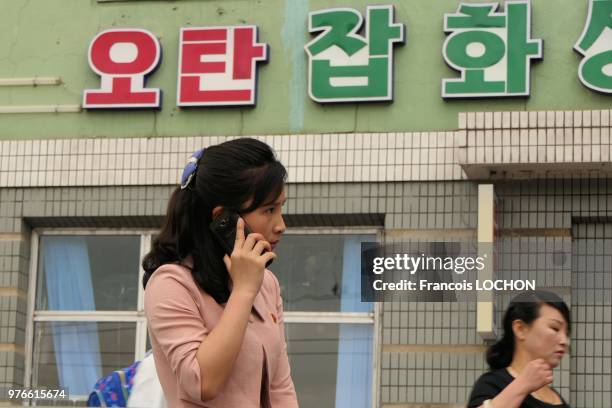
{"x":595,"y":44}
{"x":218,"y":66}
{"x":491,"y":50}
{"x":347,"y":67}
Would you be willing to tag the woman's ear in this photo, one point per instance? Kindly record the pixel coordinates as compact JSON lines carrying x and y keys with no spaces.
{"x":216,"y":211}
{"x":520,"y":329}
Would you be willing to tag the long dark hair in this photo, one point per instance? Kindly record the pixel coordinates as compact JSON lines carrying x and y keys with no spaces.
{"x":229,"y":175}
{"x":524,"y":307}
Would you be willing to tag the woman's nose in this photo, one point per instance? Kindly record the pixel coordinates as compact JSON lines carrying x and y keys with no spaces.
{"x":280,"y":226}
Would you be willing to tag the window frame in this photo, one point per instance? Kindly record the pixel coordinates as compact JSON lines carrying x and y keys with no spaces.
{"x":33,"y":316}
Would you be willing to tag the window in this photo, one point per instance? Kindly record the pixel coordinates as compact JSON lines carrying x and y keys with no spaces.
{"x":330,"y":332}
{"x":86,"y":311}
{"x":87,"y":319}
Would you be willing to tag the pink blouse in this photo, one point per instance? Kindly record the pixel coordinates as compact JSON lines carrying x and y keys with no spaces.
{"x":180,"y":315}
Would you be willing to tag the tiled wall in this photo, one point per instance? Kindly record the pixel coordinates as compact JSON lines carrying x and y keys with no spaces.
{"x":406,"y":206}
{"x":415,"y":179}
{"x":414,"y":335}
{"x":536,"y":220}
{"x":591,"y":362}
{"x":308,"y":158}
{"x":486,"y":145}
{"x":527,"y":144}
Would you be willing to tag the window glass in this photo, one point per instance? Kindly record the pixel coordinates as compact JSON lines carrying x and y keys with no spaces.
{"x":74,"y":355}
{"x":331,"y":364}
{"x":88,"y":272}
{"x":321,"y":272}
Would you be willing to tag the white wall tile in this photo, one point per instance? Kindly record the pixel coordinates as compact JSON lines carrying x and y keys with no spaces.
{"x":577,"y":118}
{"x":586,"y":153}
{"x":541,"y":154}
{"x":550,"y":119}
{"x":604,"y":118}
{"x":559,"y":116}
{"x":462,"y":120}
{"x":605,"y":153}
{"x":586,"y":119}
{"x":471,"y":120}
{"x":506,"y":120}
{"x":533,"y":119}
{"x":480,"y":138}
{"x":605,"y":136}
{"x":138,"y":158}
{"x":578,"y":154}
{"x":559,"y":136}
{"x":524,"y":119}
{"x":550,"y":153}
{"x":586,"y":137}
{"x":515,"y":121}
{"x":568,"y":153}
{"x":532,"y":137}
{"x":480,"y":120}
{"x":595,"y":153}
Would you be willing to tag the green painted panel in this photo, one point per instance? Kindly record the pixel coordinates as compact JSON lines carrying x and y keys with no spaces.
{"x":51,"y":37}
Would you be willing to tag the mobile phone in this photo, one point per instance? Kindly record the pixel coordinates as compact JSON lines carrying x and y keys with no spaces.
{"x":223,"y":229}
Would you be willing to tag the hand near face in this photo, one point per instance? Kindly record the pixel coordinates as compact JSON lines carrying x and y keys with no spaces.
{"x":536,"y":374}
{"x":248,"y":260}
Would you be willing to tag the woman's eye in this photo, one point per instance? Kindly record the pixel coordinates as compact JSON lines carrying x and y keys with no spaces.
{"x":270,"y":210}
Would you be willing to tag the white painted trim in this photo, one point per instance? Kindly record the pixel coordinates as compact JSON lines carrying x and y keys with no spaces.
{"x":93,"y":231}
{"x":30,"y":81}
{"x":29,"y":334}
{"x":87,"y":316}
{"x":329,"y":317}
{"x":145,"y":246}
{"x":332,"y":231}
{"x":376,"y":354}
{"x":377,"y":340}
{"x":40,"y":109}
{"x":141,"y":326}
{"x":141,"y":340}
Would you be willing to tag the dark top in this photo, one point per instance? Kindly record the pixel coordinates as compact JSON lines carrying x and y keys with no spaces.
{"x":493,"y":382}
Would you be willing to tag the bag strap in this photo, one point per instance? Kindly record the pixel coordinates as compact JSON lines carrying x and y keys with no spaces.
{"x":101,"y":398}
{"x":123,"y":384}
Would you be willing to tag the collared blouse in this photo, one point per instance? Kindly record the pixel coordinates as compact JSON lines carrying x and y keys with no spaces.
{"x":180,"y":315}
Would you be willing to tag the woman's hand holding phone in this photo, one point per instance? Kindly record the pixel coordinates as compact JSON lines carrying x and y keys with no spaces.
{"x":248,"y":260}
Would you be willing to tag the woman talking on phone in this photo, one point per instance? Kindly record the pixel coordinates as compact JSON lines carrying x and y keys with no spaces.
{"x":214,"y":312}
{"x":536,"y":336}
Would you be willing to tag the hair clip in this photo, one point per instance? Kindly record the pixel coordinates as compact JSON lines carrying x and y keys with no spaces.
{"x":190,"y":169}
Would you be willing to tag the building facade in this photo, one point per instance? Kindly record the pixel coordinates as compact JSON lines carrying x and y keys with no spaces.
{"x":86,"y":169}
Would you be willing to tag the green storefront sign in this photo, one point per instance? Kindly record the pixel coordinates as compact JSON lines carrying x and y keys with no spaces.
{"x":492,"y":50}
{"x":330,"y":66}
